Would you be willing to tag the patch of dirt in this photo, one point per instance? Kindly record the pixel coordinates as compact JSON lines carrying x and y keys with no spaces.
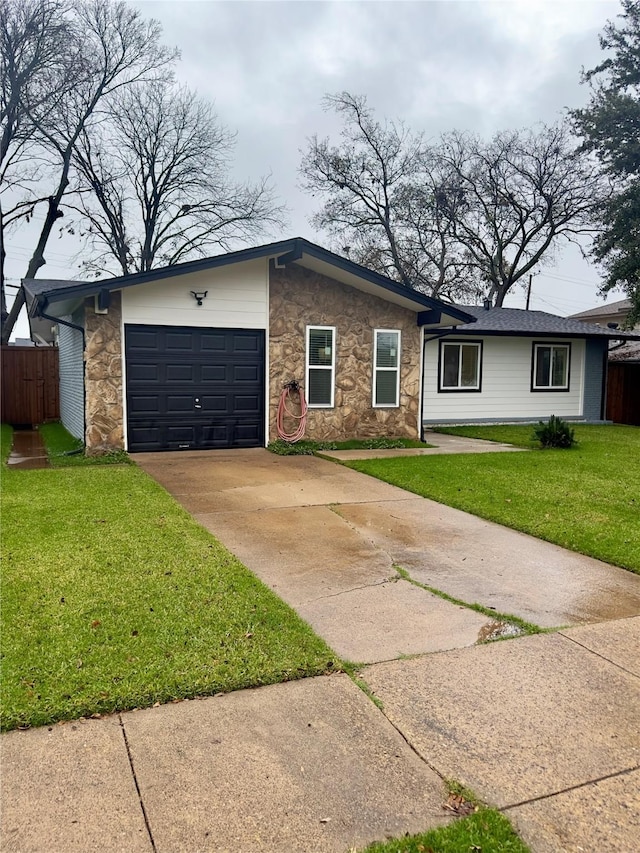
{"x":498,"y":630}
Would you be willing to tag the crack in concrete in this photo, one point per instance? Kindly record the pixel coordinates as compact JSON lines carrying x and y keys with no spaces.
{"x":392,"y":579}
{"x":369,"y":693}
{"x":571,"y":788}
{"x":135,"y":782}
{"x":601,"y":656}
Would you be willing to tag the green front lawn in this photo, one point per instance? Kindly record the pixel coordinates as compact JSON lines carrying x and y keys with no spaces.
{"x":114,"y":598}
{"x":586,"y":499}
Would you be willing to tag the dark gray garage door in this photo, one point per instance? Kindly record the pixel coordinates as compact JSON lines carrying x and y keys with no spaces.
{"x":194,"y":388}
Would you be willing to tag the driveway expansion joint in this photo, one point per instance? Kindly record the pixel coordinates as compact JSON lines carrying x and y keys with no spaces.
{"x":135,"y":782}
{"x":598,"y":655}
{"x":571,"y":788}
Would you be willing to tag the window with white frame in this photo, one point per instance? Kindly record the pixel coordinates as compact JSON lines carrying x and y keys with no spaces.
{"x":460,"y":363}
{"x":550,"y":367}
{"x":321,"y":363}
{"x":386,"y":368}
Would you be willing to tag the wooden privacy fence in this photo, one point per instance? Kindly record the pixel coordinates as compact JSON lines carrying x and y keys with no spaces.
{"x":29,"y":385}
{"x":623,"y":393}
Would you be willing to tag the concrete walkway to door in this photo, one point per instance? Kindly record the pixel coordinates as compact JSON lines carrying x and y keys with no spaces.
{"x":328,"y":541}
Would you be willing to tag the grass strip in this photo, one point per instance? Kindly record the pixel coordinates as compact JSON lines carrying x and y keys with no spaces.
{"x":496,"y":615}
{"x":65,"y":451}
{"x":6,"y":441}
{"x":585,"y":499}
{"x":486,"y":830}
{"x":353,"y":671}
{"x":114,"y":598}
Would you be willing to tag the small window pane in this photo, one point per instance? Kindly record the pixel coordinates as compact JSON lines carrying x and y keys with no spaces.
{"x":469,"y":373}
{"x":386,"y":386}
{"x":387,"y":349}
{"x":560,"y":362}
{"x":320,"y":347}
{"x":319,"y":390}
{"x":450,"y":357}
{"x":543,"y":364}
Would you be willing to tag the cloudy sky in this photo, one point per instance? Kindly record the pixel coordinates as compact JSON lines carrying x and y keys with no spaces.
{"x":471,"y":65}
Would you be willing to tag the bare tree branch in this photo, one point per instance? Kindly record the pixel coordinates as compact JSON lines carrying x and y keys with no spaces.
{"x":459,"y":218}
{"x":107,"y":46}
{"x":159,"y":174}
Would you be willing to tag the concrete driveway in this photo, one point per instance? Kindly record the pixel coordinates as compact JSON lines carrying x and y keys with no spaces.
{"x":328,"y":540}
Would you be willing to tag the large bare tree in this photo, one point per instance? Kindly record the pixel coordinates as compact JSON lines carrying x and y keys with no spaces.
{"x":157,"y":179}
{"x":110,"y":47}
{"x":36,"y":53}
{"x":461,"y":217}
{"x":515,"y":199}
{"x":379,"y":199}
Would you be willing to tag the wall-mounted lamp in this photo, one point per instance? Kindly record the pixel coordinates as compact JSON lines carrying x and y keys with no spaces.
{"x":199,"y":296}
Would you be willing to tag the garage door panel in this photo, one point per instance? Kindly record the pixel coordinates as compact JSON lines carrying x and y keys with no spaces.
{"x":179,"y":404}
{"x":145,"y":405}
{"x":245,"y":373}
{"x":219,"y":403}
{"x":214,"y":373}
{"x":175,"y":340}
{"x":143,"y":338}
{"x":194,"y":387}
{"x":213,"y":342}
{"x":247,"y":434}
{"x":246,"y":403}
{"x":179,"y":372}
{"x":183,"y":433}
{"x":147,"y":373}
{"x":145,"y":437}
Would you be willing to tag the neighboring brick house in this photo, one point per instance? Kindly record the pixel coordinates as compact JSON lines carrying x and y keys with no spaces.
{"x":196,"y":355}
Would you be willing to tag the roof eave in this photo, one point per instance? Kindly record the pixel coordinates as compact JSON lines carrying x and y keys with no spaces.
{"x":283,"y":252}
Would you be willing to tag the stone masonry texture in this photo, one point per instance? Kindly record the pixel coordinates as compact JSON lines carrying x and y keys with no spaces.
{"x":103,"y":378}
{"x":299,"y":298}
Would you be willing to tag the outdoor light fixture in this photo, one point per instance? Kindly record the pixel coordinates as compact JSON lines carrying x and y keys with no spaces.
{"x":199,"y":295}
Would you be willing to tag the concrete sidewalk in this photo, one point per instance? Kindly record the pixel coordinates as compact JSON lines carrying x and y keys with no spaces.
{"x":545,"y":727}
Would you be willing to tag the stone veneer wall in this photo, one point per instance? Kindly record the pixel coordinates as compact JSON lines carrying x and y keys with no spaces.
{"x":104,"y":413}
{"x":298,"y":298}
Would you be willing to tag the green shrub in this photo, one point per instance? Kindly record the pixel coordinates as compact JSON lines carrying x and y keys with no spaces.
{"x":554,"y":433}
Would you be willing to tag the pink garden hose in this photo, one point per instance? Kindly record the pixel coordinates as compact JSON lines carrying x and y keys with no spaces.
{"x":285,"y":411}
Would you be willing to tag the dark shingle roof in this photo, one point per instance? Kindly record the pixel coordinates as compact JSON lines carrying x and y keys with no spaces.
{"x":517,"y":321}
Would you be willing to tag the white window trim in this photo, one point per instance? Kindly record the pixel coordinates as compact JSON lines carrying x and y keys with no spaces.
{"x":331,"y":367}
{"x":550,"y":386}
{"x":395,"y":370}
{"x":442,"y":388}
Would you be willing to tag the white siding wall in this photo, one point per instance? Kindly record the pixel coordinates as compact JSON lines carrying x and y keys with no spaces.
{"x":237,"y":299}
{"x":70,"y":346}
{"x":506,"y":385}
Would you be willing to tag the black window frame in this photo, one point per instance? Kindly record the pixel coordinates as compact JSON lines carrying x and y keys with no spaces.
{"x":444,"y":342}
{"x":546,"y":389}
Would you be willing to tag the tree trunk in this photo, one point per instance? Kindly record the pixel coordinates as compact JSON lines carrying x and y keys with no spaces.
{"x":38,"y":259}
